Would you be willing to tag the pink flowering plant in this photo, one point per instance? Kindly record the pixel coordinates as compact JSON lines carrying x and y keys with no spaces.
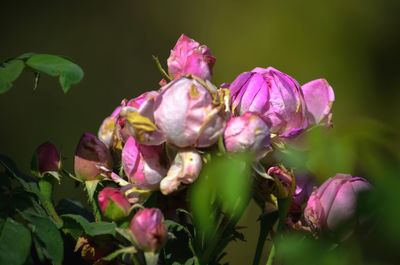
{"x":170,"y":172}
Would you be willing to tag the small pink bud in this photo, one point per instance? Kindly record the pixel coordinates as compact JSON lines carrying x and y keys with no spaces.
{"x":113,"y":204}
{"x":91,"y":154}
{"x":187,"y":115}
{"x":47,"y":158}
{"x":148,"y":229}
{"x":247,"y":133}
{"x":142,"y":164}
{"x":189,"y":57}
{"x":185,"y":169}
{"x":332,"y":206}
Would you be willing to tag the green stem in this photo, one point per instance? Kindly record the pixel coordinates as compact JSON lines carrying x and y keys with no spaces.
{"x":161,"y":69}
{"x":46,"y":190}
{"x":271,"y":255}
{"x":267,"y":221}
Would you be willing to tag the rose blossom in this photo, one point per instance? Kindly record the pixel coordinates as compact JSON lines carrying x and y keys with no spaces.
{"x":186,"y":113}
{"x":332,"y":206}
{"x":189,"y":57}
{"x":142,"y":164}
{"x":275,"y":96}
{"x":247,"y":132}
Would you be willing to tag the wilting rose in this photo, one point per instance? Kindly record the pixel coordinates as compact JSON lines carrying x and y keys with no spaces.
{"x":247,"y":132}
{"x":113,"y":204}
{"x":185,"y":169}
{"x":91,"y":154}
{"x":275,"y":96}
{"x":283,"y":180}
{"x":319,"y":97}
{"x":187,"y":114}
{"x":189,"y":57}
{"x":142,"y":164}
{"x":331,"y":207}
{"x":46,"y":158}
{"x":148,"y":229}
{"x":108,"y":128}
{"x":139,"y":119}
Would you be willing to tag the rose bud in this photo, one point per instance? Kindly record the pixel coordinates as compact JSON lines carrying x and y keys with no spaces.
{"x":187,"y":114}
{"x":274,"y":95}
{"x":46,"y":159}
{"x":142,"y":164}
{"x":90,"y":156}
{"x":319,"y":97}
{"x":113,"y":204}
{"x":189,"y":57}
{"x":331,"y":207}
{"x":284,"y":181}
{"x":139,"y":117}
{"x":106,"y":132}
{"x":247,"y":133}
{"x":148,"y":229}
{"x":185,"y":169}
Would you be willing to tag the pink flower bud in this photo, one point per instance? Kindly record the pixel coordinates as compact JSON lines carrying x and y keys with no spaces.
{"x":247,"y":133}
{"x":319,"y":97}
{"x":331,"y":207}
{"x":142,"y":164}
{"x":148,"y":229}
{"x":91,"y":154}
{"x":47,"y":158}
{"x":187,"y":115}
{"x":185,"y":169}
{"x":275,"y":96}
{"x":189,"y":57}
{"x":139,"y":116}
{"x":113,"y":204}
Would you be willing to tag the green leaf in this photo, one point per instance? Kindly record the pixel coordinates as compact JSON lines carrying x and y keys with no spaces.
{"x":9,"y":72}
{"x":49,"y":237}
{"x":69,"y":73}
{"x":27,"y":184}
{"x":15,"y":243}
{"x":78,"y":225}
{"x":182,"y":240}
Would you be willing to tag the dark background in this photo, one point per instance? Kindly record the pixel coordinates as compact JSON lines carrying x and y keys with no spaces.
{"x":354,"y":44}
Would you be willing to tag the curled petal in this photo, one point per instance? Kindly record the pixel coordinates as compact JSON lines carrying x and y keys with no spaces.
{"x":185,"y":169}
{"x":319,"y":97}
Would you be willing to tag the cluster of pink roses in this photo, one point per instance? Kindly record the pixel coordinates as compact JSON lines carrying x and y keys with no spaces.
{"x":156,"y":141}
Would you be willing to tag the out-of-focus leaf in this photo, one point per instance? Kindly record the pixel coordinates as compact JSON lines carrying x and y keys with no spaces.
{"x":77,"y":225}
{"x":226,"y":180}
{"x":15,"y":243}
{"x":49,"y":237}
{"x":9,"y":72}
{"x":69,"y":73}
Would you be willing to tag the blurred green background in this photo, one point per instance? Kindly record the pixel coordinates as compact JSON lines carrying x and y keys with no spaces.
{"x":354,"y":44}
